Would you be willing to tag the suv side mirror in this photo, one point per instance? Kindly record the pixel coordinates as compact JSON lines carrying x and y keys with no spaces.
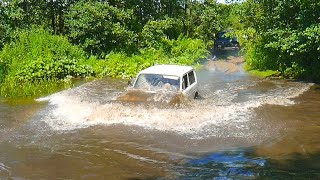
{"x":131,"y":82}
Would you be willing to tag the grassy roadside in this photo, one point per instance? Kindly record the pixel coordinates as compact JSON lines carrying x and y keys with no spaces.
{"x":231,"y":58}
{"x":38,"y":63}
{"x":264,"y":74}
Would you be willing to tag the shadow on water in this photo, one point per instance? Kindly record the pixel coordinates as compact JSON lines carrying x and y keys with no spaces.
{"x":245,"y":164}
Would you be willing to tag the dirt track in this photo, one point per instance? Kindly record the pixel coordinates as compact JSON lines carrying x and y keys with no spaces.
{"x":226,"y":60}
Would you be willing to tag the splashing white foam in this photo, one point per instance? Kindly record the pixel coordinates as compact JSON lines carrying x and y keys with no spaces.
{"x":67,"y":111}
{"x":4,"y":168}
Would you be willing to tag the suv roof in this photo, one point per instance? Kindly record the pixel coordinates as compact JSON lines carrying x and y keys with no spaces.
{"x":176,"y":70}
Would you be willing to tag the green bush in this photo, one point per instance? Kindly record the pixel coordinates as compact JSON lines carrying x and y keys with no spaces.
{"x":158,"y":33}
{"x":188,"y":51}
{"x":124,"y":66}
{"x":37,"y":58}
{"x":295,"y":53}
{"x":99,"y":66}
{"x":288,"y":41}
{"x":41,"y":69}
{"x":99,"y":27}
{"x":184,"y":51}
{"x":42,"y":53}
{"x":13,"y":89}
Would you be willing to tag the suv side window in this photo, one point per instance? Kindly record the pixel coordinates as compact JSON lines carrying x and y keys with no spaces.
{"x":185,"y":82}
{"x":191,"y":77}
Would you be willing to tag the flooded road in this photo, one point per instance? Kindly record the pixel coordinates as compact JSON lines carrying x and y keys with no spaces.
{"x":243,"y":127}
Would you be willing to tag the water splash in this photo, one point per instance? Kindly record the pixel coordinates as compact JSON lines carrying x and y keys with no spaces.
{"x":223,"y":112}
{"x":5,"y":171}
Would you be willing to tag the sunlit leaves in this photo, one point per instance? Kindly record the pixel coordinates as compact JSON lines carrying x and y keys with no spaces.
{"x":99,"y":27}
{"x":287,"y":37}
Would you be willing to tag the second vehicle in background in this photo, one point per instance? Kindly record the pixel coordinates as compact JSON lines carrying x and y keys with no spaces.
{"x":223,"y":41}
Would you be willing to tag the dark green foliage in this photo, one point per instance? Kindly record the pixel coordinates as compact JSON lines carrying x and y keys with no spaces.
{"x":41,"y":69}
{"x":126,"y":35}
{"x":99,"y":66}
{"x":21,"y":14}
{"x":283,"y":36}
{"x":157,"y":34}
{"x":295,"y":52}
{"x":36,"y":57}
{"x":18,"y":14}
{"x":205,"y":19}
{"x":45,"y":55}
{"x":188,"y":51}
{"x":99,"y":27}
{"x":121,"y":37}
{"x":181,"y":51}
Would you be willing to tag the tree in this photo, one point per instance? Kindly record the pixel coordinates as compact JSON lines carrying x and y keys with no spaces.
{"x":203,"y":19}
{"x":286,"y":36}
{"x":99,"y":27}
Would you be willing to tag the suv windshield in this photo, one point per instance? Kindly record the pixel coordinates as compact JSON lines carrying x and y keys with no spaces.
{"x":155,"y":82}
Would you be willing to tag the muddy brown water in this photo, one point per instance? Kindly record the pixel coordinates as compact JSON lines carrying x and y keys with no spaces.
{"x":242,"y":128}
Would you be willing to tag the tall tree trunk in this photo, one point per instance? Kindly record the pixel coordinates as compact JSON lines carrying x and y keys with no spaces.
{"x":52,"y":16}
{"x":61,"y":17}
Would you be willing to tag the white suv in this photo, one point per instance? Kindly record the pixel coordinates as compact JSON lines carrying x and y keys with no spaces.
{"x":169,"y":78}
{"x":162,"y":85}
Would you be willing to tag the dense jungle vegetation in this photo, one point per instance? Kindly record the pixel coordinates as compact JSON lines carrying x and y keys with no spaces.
{"x":46,"y":44}
{"x":283,"y":36}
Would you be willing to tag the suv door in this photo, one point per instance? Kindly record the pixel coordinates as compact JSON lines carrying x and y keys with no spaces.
{"x":189,"y":84}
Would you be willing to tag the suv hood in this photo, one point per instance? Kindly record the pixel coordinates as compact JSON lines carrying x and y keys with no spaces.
{"x":151,"y":97}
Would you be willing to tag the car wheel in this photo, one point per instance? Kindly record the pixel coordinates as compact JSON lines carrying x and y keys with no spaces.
{"x":196,"y":95}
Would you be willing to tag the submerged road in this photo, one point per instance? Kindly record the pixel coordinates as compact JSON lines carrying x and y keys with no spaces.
{"x":244,"y":127}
